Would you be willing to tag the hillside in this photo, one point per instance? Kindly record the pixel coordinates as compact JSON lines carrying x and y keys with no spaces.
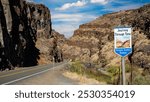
{"x":93,"y":42}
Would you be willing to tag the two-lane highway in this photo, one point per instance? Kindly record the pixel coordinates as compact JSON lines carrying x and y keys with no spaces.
{"x":8,"y":77}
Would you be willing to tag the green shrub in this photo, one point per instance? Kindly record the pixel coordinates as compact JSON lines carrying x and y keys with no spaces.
{"x":128,"y":68}
{"x":141,"y":80}
{"x":113,"y":70}
{"x":79,"y":68}
{"x":93,"y":73}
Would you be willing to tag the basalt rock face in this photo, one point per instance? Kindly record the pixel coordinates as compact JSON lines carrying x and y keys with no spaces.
{"x":94,"y":41}
{"x":50,"y":50}
{"x":23,"y":27}
{"x":56,"y":49}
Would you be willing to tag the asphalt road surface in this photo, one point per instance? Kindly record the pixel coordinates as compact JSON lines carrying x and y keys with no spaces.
{"x":13,"y":76}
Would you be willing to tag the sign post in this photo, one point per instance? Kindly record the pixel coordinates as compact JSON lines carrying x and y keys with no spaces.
{"x":122,"y":46}
{"x":123,"y":70}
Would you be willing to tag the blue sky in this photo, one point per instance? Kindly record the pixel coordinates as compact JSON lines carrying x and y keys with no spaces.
{"x":67,"y":15}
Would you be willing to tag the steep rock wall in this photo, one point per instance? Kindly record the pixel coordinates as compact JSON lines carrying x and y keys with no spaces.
{"x":22,"y":27}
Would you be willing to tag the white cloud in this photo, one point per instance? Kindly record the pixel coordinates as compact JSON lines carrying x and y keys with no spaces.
{"x":71,"y":17}
{"x":57,"y":16}
{"x":75,"y":4}
{"x":30,"y":0}
{"x":67,"y":17}
{"x":103,"y":2}
{"x":69,"y":22}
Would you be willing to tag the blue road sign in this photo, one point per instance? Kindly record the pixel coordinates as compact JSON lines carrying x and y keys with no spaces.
{"x":122,"y":41}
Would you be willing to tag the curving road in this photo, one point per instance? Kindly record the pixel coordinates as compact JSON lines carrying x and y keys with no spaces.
{"x":15,"y":76}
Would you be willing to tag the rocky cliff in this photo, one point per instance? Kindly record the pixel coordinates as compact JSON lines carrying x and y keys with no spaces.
{"x":25,"y":34}
{"x":94,"y":41}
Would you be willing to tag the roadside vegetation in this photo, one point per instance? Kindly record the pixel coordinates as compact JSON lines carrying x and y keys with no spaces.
{"x":92,"y":72}
{"x":111,"y":74}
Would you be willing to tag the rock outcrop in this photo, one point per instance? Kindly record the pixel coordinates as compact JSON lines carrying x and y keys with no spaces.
{"x":94,"y":41}
{"x":25,"y":33}
{"x":55,"y":49}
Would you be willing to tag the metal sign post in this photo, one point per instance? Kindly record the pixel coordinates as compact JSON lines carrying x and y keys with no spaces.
{"x":123,"y":71}
{"x":122,"y":46}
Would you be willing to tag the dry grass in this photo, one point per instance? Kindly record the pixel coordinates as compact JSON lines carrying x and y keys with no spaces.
{"x":82,"y":79}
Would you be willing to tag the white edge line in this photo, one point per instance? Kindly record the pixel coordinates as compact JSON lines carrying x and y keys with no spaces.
{"x":29,"y":76}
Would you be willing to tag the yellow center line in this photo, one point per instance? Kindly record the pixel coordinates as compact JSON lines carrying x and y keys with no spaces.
{"x":19,"y":72}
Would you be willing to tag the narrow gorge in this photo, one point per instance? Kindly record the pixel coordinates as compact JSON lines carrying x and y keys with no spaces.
{"x":27,"y":37}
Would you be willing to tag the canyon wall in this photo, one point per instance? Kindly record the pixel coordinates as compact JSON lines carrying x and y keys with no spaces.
{"x":93,"y":42}
{"x":25,"y":34}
